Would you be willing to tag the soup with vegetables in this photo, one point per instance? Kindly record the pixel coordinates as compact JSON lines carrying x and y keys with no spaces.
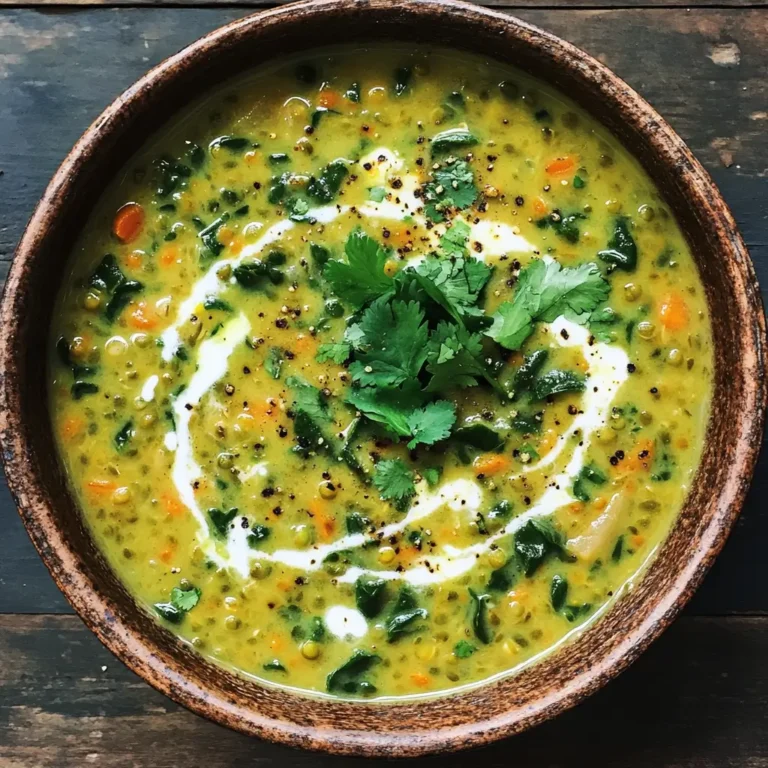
{"x":380,"y":372}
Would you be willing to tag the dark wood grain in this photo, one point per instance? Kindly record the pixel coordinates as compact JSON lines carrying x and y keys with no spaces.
{"x":59,"y":69}
{"x":697,"y":699}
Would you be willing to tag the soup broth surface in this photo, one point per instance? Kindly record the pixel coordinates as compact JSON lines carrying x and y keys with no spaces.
{"x":380,"y":373}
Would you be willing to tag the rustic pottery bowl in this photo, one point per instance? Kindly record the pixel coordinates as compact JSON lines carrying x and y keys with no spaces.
{"x":488,"y":712}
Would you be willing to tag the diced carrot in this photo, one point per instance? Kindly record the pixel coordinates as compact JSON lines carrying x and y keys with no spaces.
{"x":673,"y":312}
{"x":638,"y":540}
{"x":72,"y":428}
{"x":284,"y":585}
{"x":133,"y":259}
{"x":236,"y":245}
{"x":329,"y":99}
{"x":225,"y":235}
{"x":561,"y":166}
{"x":539,"y":206}
{"x":128,"y":222}
{"x":169,"y":254}
{"x":101,"y":487}
{"x":576,"y":507}
{"x":325,"y":523}
{"x":420,"y":679}
{"x":276,"y":643}
{"x":166,"y":555}
{"x":140,"y":318}
{"x":305,"y":343}
{"x":491,"y":464}
{"x":682,"y":442}
{"x":172,"y":505}
{"x":641,"y":456}
{"x":600,"y":503}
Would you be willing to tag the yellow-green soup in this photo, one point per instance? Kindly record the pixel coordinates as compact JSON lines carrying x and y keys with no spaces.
{"x":380,"y":373}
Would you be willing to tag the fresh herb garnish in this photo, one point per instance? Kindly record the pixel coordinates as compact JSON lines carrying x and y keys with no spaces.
{"x":545,"y":290}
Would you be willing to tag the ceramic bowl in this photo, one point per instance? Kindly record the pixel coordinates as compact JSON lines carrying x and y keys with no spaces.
{"x":451,"y":722}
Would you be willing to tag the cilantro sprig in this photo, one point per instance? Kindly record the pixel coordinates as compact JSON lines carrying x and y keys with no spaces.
{"x":545,"y":290}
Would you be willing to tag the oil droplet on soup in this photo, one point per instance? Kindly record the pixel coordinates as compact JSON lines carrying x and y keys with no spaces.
{"x":380,"y":373}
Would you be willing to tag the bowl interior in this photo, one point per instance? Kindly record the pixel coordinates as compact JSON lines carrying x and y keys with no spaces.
{"x":39,"y":485}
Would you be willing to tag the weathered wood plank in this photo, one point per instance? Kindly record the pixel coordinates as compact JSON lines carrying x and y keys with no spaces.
{"x":706,"y":71}
{"x":697,"y":699}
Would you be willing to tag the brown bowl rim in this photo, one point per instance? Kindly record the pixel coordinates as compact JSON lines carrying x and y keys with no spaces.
{"x":379,"y":733}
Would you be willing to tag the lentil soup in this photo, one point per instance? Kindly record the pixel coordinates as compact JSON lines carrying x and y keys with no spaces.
{"x":380,"y":372}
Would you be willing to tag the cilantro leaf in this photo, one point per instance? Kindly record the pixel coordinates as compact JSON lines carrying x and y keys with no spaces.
{"x":545,"y":291}
{"x":395,"y":338}
{"x":432,"y":423}
{"x":452,"y":186}
{"x":336,"y":353}
{"x":454,"y":242}
{"x":362,"y":278}
{"x":454,"y":284}
{"x":464,"y":649}
{"x":394,"y":480}
{"x":390,"y":407}
{"x":185,"y":599}
{"x":454,"y":358}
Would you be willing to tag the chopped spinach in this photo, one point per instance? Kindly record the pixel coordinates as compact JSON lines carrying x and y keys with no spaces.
{"x":124,"y":435}
{"x":454,"y":138}
{"x":622,"y":249}
{"x":82,"y":388}
{"x":558,"y":592}
{"x":556,"y":382}
{"x":257,"y":535}
{"x":404,"y":614}
{"x":370,"y":595}
{"x":348,"y":677}
{"x":480,"y":436}
{"x":536,"y":541}
{"x":479,"y":616}
{"x":209,"y":235}
{"x":221,"y":520}
{"x":528,"y":371}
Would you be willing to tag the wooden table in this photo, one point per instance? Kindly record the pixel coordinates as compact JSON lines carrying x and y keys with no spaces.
{"x":699,"y":697}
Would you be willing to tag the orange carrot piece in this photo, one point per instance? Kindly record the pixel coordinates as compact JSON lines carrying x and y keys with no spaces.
{"x":673,"y":312}
{"x":305,"y":343}
{"x":133,"y":259}
{"x":325,"y":523}
{"x":539,"y":206}
{"x":72,"y":428}
{"x":641,"y":456}
{"x":101,"y":487}
{"x":172,"y":505}
{"x":491,"y":464}
{"x":128,"y":222}
{"x":420,"y":679}
{"x":169,"y":254}
{"x":140,"y":318}
{"x":166,"y":555}
{"x":329,"y":99}
{"x":561,"y":165}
